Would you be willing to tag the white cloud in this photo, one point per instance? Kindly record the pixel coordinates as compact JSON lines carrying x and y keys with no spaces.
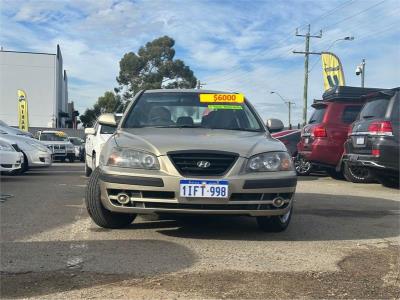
{"x":242,"y":45}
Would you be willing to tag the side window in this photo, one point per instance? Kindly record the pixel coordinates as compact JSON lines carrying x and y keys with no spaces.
{"x":350,"y":113}
{"x":395,"y":109}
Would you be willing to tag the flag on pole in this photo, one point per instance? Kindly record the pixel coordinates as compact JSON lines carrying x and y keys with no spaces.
{"x":332,"y":70}
{"x":23,"y":121}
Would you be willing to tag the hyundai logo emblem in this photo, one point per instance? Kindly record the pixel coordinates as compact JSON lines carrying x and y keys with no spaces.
{"x":203,"y":164}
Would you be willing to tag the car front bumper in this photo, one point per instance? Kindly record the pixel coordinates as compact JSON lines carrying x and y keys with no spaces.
{"x":158,"y":192}
{"x":37,"y":159}
{"x":11,"y":161}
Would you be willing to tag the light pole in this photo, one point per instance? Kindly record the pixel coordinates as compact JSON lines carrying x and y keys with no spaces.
{"x":346,"y":38}
{"x":289,"y":104}
{"x":361,"y":71}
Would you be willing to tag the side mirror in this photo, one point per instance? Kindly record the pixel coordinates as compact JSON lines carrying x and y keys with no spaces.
{"x":90,"y":131}
{"x":107,"y":119}
{"x":274,"y":125}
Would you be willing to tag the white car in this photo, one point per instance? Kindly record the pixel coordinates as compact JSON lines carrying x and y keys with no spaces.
{"x":35,"y":153}
{"x":10,"y":159}
{"x":58,"y":143}
{"x":96,"y":137}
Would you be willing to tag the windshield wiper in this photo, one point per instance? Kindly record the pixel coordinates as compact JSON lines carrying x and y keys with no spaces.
{"x":368,"y":117}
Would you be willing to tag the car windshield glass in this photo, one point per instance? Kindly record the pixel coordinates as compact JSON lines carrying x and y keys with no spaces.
{"x":179,"y":110}
{"x":107,"y":129}
{"x":53,"y":137}
{"x":374,"y":108}
{"x":318,"y":115}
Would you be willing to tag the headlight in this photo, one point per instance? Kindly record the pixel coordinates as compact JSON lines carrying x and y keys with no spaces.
{"x":129,"y":158}
{"x":6,"y":146}
{"x":269,"y":162}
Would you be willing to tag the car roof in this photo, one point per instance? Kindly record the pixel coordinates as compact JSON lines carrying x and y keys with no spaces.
{"x":196,"y":91}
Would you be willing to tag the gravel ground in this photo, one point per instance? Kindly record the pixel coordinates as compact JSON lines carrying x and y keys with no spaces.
{"x":343,"y":242}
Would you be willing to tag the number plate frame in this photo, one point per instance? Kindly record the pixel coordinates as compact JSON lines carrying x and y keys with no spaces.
{"x":201,"y":188}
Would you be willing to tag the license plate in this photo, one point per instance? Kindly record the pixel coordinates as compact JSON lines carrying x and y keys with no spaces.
{"x":360,"y":140}
{"x":306,"y":140}
{"x":59,"y":151}
{"x":204,"y":188}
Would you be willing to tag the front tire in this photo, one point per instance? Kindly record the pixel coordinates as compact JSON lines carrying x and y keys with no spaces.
{"x":357,"y":174}
{"x":100,"y":215}
{"x":275,"y":223}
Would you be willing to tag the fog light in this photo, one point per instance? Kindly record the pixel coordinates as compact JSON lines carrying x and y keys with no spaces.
{"x":278,"y":202}
{"x":123,"y":198}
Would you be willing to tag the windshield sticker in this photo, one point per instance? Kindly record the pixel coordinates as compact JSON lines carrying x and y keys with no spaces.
{"x":221,"y":106}
{"x":223,"y":98}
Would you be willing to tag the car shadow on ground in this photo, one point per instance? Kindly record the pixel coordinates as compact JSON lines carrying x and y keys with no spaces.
{"x":40,"y":268}
{"x":316,"y":217}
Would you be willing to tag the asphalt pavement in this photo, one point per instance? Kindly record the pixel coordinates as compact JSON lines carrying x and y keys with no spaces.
{"x":343,"y":242}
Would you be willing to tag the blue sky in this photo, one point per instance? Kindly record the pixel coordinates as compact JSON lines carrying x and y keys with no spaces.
{"x":243,"y":46}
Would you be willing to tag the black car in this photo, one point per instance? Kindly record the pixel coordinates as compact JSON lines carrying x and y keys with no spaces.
{"x":374,"y":137}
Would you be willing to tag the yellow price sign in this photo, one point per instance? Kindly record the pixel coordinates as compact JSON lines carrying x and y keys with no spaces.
{"x":222,"y":98}
{"x":60,"y":134}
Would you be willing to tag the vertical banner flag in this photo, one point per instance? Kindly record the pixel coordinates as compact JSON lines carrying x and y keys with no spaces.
{"x":23,"y":122}
{"x":332,"y":70}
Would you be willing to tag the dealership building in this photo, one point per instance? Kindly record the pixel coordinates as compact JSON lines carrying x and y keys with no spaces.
{"x":42,"y":77}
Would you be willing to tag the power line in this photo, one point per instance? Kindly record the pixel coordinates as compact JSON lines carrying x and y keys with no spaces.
{"x":354,"y":15}
{"x":223,"y":78}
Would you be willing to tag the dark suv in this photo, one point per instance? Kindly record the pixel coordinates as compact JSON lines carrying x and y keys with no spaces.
{"x":322,"y":139}
{"x":374,"y":138}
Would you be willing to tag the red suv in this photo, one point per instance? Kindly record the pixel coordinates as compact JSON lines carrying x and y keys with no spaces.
{"x":322,"y":139}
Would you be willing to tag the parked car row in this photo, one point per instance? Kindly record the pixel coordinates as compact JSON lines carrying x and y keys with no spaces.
{"x":19,"y":151}
{"x":353,"y":133}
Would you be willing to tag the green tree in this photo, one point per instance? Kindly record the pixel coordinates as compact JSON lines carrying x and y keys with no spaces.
{"x":108,"y":103}
{"x":153,"y":67}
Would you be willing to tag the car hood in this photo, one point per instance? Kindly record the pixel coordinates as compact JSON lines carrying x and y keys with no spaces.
{"x":160,"y":141}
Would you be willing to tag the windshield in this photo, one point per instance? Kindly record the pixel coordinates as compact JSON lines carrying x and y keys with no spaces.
{"x":374,"y":109}
{"x":53,"y":137}
{"x":185,"y":110}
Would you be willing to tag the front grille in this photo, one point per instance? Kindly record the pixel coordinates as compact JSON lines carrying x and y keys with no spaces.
{"x":186,"y":162}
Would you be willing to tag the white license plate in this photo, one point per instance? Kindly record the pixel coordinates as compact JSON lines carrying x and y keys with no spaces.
{"x":59,"y":151}
{"x":204,"y":188}
{"x":306,"y":140}
{"x":360,"y":140}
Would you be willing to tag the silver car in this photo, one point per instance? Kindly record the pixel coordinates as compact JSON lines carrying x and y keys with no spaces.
{"x":191,"y":152}
{"x":35,"y":154}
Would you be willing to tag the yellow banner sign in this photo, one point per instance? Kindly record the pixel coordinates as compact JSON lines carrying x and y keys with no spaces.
{"x":222,"y":98}
{"x":23,"y":120}
{"x":332,"y":70}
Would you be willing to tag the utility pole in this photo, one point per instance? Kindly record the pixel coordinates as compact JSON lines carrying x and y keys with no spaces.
{"x":306,"y":56}
{"x":199,"y":84}
{"x":361,"y":71}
